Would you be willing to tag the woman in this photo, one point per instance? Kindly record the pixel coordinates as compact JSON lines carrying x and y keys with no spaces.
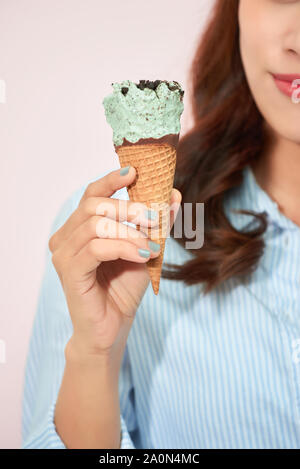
{"x":211,"y":362}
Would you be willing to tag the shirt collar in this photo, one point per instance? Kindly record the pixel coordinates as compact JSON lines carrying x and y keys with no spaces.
{"x":255,"y":196}
{"x":250,"y":196}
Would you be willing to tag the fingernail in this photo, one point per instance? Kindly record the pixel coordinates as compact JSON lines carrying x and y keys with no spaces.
{"x":124,"y":171}
{"x":150,"y":214}
{"x":154,"y":246}
{"x":144,"y":252}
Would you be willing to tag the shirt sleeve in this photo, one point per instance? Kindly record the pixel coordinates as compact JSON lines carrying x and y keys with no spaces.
{"x":52,"y":328}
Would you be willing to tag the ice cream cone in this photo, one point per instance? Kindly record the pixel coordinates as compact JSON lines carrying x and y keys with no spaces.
{"x":145,"y":118}
{"x":155,"y":165}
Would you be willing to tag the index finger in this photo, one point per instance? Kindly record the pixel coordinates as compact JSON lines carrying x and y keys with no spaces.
{"x":111,"y":183}
{"x":103,"y":187}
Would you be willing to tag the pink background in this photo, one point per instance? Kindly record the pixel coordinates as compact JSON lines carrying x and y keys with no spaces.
{"x":58,"y":60}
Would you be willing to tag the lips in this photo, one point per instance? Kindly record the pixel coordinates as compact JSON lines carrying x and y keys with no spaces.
{"x":287,"y":84}
{"x":289,"y":78}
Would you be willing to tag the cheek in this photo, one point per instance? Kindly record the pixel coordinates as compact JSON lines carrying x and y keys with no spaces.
{"x":254,"y":34}
{"x":261,"y":39}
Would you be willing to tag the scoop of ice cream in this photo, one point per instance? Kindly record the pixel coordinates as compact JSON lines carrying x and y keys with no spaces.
{"x":149,"y":109}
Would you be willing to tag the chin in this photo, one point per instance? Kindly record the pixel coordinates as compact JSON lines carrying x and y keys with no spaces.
{"x":292,"y":136}
{"x":287,"y":128}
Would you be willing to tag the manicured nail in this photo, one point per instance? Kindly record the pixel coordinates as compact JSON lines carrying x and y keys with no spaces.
{"x":124,"y":171}
{"x":151,"y":214}
{"x":144,"y":252}
{"x":154,"y":246}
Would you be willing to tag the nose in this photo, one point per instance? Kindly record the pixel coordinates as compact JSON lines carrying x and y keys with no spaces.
{"x":293,"y":42}
{"x":294,"y":52}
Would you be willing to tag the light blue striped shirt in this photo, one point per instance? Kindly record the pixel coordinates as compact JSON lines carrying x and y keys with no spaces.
{"x":214,"y":371}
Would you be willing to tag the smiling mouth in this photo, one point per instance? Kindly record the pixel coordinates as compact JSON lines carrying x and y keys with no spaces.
{"x":287,"y":84}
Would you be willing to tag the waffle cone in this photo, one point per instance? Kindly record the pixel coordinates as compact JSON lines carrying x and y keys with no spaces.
{"x":155,"y":165}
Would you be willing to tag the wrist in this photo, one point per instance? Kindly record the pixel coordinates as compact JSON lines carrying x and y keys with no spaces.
{"x":77,"y":354}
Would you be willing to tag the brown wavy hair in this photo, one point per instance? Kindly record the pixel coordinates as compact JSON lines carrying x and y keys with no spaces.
{"x":227,"y":134}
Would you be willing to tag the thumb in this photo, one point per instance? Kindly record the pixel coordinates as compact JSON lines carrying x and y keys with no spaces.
{"x":176,"y":198}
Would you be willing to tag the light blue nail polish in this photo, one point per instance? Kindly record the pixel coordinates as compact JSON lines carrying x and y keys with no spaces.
{"x":144,"y":253}
{"x":154,"y":246}
{"x":150,"y":214}
{"x":124,"y":171}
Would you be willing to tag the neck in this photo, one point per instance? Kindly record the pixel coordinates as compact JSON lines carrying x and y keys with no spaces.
{"x":277,"y":171}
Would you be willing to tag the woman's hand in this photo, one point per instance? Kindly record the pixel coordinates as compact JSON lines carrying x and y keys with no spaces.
{"x":101,"y":271}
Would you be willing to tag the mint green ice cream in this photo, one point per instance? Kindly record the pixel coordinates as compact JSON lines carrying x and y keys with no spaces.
{"x":144,"y":110}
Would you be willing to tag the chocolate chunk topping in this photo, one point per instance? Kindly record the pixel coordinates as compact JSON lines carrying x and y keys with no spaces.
{"x":152,"y":85}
